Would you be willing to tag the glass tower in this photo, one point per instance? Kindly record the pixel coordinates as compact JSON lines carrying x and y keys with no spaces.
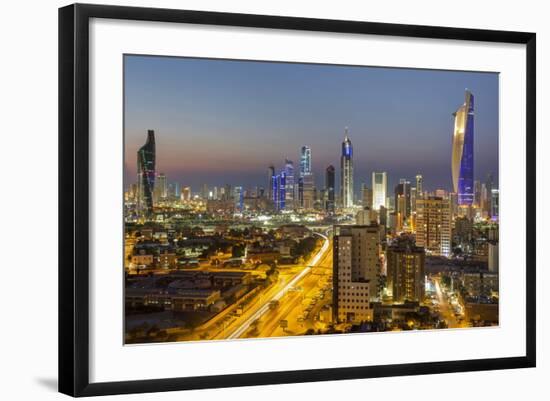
{"x":329,"y":187}
{"x":463,"y":152}
{"x":146,"y":175}
{"x":379,"y":189}
{"x":346,"y":166}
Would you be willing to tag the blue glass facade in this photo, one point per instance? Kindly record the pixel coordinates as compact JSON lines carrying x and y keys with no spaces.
{"x":466,"y":175}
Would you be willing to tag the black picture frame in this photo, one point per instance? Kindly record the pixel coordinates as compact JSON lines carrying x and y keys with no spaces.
{"x":74,"y":198}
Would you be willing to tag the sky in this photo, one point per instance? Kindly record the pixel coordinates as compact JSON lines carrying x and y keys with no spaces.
{"x":223,"y":122}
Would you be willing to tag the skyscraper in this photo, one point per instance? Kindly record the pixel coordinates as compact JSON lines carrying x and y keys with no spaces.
{"x":289,"y":184}
{"x":366,"y":196}
{"x":305,"y":190}
{"x":356,"y":272}
{"x":419,"y":186}
{"x":305,"y":160}
{"x":329,"y":187}
{"x":463,"y":152}
{"x":146,"y":175}
{"x":405,"y":263}
{"x":403,"y":189}
{"x":379,"y":188}
{"x":346,"y":166}
{"x":433,"y":225}
{"x":270,"y":175}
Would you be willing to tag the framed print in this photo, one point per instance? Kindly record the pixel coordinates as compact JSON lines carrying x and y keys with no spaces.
{"x":250,"y":199}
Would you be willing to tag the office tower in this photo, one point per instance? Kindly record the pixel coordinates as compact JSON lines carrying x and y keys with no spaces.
{"x":379,"y":189}
{"x":356,"y":272}
{"x":477,"y":193}
{"x":413,"y":200}
{"x":419,"y":186}
{"x":307,"y":189}
{"x":270,"y":175}
{"x":204,"y":192}
{"x":463,"y":152}
{"x":330,"y":178}
{"x":494,"y":204}
{"x":281,"y":190}
{"x":403,"y":192}
{"x":161,"y":187}
{"x":440,"y":193}
{"x":405,"y":270}
{"x":146,"y":175}
{"x":305,"y":161}
{"x":186,"y":194}
{"x":289,"y":184}
{"x":433,"y":225}
{"x":346,"y":171}
{"x":177,"y":190}
{"x":366,"y":196}
{"x":383,"y":216}
{"x":215,"y":194}
{"x":238,"y":196}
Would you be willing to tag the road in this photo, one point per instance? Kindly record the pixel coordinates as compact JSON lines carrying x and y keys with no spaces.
{"x":278,"y":293}
{"x":446,"y":310}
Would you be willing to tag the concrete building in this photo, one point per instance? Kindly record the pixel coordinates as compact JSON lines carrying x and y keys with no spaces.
{"x":433,"y":225}
{"x":356,"y":274}
{"x":405,"y":270}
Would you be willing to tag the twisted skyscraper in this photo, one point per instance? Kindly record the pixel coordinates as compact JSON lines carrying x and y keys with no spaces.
{"x":146,"y":175}
{"x":463,"y":152}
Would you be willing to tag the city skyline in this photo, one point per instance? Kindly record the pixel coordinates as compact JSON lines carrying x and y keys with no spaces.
{"x":184,"y":164}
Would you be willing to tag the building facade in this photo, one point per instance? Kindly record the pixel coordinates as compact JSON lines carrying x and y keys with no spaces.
{"x":330,"y":182}
{"x":433,"y":225}
{"x":379,"y":189}
{"x":346,"y":170}
{"x":146,"y":175}
{"x":405,"y":270}
{"x":463,"y":152}
{"x":356,"y":272}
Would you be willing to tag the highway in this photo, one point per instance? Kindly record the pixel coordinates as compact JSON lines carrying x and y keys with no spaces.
{"x":261,"y":308}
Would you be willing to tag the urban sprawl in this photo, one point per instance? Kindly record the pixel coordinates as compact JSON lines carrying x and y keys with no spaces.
{"x":289,"y":258}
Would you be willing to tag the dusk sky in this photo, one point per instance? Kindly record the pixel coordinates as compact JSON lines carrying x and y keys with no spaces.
{"x":224,"y":122}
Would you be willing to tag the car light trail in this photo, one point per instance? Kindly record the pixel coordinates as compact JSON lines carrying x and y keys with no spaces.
{"x":295,"y":280}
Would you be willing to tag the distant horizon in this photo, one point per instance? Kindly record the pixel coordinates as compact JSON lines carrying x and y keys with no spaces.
{"x":221,"y":122}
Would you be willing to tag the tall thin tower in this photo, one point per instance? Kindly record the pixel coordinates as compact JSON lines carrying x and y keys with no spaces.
{"x":146,"y":175}
{"x":346,"y":167}
{"x":463,"y":151}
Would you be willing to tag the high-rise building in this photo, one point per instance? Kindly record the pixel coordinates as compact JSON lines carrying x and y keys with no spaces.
{"x":433,"y":225}
{"x":204,"y":192}
{"x":403,"y":190}
{"x":346,"y":171}
{"x":289,"y":184}
{"x":281,"y":190}
{"x":307,"y":189}
{"x":463,"y":152}
{"x":238,"y":196}
{"x":186,"y":194}
{"x":270,"y":175}
{"x":366,"y":196}
{"x":492,"y":256}
{"x":356,"y":272}
{"x":305,"y":160}
{"x":419,"y":186}
{"x":477,"y":193}
{"x":146,"y":175}
{"x":161,"y":187}
{"x":379,"y":189}
{"x":405,"y":270}
{"x":329,"y":187}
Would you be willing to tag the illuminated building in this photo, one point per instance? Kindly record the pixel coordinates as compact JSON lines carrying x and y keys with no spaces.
{"x":146,"y":175}
{"x":463,"y":152}
{"x":186,"y":194}
{"x":419,"y":186}
{"x":289,"y":184}
{"x":346,"y":167}
{"x":362,"y":217}
{"x":366,"y":196}
{"x":356,"y":272}
{"x":161,"y":188}
{"x":270,"y":175}
{"x":492,"y":256}
{"x":238,"y":197}
{"x":405,"y":268}
{"x":433,"y":225}
{"x":379,"y":189}
{"x":329,"y":187}
{"x":305,"y":161}
{"x":403,"y":192}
